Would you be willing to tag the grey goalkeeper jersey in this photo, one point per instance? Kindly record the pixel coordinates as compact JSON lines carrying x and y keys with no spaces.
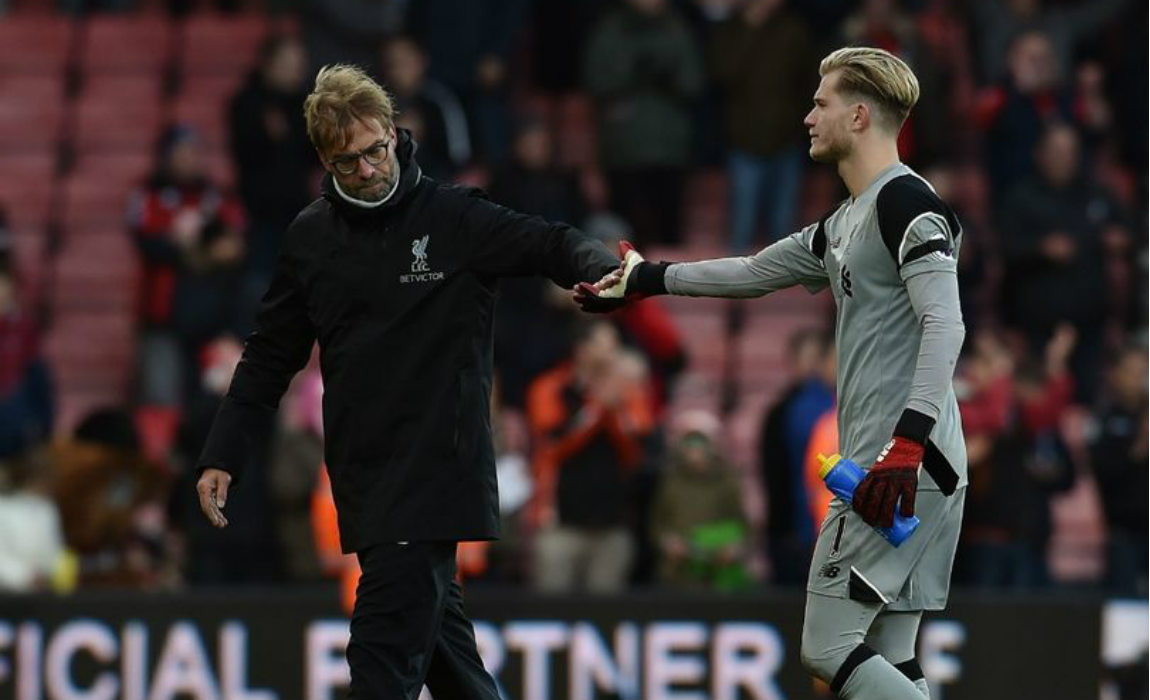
{"x":890,"y":258}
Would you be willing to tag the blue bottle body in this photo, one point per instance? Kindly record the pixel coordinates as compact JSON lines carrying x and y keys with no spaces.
{"x":842,"y":476}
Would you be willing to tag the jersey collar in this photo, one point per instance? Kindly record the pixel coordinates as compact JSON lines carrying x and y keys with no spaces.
{"x":856,"y":207}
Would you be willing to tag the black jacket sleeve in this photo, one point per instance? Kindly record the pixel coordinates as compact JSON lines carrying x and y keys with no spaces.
{"x":508,"y":243}
{"x":274,"y":352}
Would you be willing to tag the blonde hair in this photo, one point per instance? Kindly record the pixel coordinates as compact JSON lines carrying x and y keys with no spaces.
{"x":343,"y":94}
{"x":877,"y":75}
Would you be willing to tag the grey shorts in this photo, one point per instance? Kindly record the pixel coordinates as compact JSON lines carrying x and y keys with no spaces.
{"x":853,"y":561}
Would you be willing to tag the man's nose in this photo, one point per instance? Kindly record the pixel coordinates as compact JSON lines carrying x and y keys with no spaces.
{"x":366,"y":170}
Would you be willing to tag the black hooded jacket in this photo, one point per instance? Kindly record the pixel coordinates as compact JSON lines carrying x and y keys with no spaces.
{"x":400,"y":298}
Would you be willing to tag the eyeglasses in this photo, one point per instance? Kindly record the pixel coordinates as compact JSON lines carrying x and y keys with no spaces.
{"x":374,"y":154}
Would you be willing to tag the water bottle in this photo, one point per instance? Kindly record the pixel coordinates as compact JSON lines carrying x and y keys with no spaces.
{"x":842,"y":476}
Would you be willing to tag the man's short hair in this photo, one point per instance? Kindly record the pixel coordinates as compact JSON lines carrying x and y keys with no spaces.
{"x":877,"y":76}
{"x":343,"y":95}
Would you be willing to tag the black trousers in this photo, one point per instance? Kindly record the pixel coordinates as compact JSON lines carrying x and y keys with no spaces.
{"x":408,"y":628}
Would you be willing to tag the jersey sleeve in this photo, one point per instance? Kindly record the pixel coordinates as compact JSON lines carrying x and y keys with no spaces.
{"x":934,"y":296}
{"x":927,"y":246}
{"x":796,"y":259}
{"x":922,"y":235}
{"x":920,"y":231}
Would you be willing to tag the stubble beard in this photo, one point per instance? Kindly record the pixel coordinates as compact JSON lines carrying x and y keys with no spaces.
{"x":378,"y":190}
{"x":832,"y":153}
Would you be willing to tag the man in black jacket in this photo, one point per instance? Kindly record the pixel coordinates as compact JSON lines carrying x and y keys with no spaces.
{"x":395,"y":275}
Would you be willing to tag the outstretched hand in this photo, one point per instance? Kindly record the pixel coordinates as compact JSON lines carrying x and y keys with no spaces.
{"x":591,"y":297}
{"x":610,"y":292}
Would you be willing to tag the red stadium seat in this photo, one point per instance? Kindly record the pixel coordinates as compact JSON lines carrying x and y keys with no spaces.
{"x":28,"y":210}
{"x":92,"y":338}
{"x":32,"y":87}
{"x":35,"y":166}
{"x":106,"y":123}
{"x":123,"y":87}
{"x":138,"y":44}
{"x":158,"y":427}
{"x":26,"y":189}
{"x":29,"y":256}
{"x":97,"y":270}
{"x":92,"y":353}
{"x":129,"y":169}
{"x":92,"y":200}
{"x":211,"y":86}
{"x":102,"y":249}
{"x":99,"y":189}
{"x":29,"y":125}
{"x":207,"y":116}
{"x":221,"y":44}
{"x":34,"y":44}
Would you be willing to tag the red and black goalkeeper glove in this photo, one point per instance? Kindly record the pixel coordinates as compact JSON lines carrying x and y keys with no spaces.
{"x":893,"y":480}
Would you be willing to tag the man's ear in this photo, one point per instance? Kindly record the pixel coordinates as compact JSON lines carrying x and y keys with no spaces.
{"x":862,"y":116}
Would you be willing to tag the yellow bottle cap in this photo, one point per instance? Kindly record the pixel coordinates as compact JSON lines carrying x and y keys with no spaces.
{"x":826,"y":464}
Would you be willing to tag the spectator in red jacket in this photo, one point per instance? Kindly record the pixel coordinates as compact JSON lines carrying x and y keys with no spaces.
{"x":190,"y":235}
{"x":1012,"y":419}
{"x":1014,"y":112}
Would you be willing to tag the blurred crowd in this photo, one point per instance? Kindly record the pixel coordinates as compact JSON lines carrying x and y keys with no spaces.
{"x":1032,"y":125}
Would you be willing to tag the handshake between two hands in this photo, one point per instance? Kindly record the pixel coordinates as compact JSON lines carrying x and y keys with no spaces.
{"x":610,"y":292}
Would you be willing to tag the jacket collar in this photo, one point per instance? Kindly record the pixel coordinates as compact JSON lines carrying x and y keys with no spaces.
{"x":409,"y":176}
